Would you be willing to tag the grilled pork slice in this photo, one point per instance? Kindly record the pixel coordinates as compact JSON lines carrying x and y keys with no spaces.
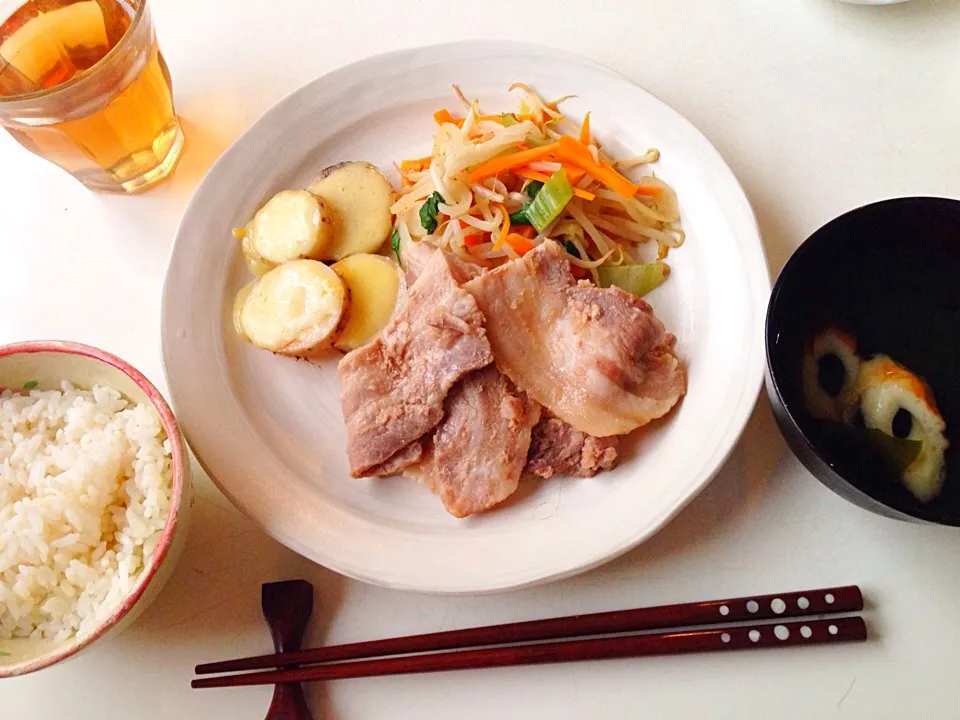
{"x":480,"y":447}
{"x":392,"y":389}
{"x":557,"y":448}
{"x":414,"y":255}
{"x":595,"y":357}
{"x":399,"y":460}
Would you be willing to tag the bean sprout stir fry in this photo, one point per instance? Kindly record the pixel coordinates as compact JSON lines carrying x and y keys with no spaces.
{"x":497,"y":185}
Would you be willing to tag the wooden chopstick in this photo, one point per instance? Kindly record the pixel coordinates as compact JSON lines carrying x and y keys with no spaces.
{"x":742,"y":637}
{"x":847,"y":598}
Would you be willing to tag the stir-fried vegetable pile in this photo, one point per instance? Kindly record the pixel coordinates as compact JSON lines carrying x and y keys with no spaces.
{"x":496,"y":186}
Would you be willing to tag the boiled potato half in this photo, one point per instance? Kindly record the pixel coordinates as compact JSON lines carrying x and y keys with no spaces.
{"x":293,"y":224}
{"x":377,"y":289}
{"x":361,"y":198}
{"x":295,"y":309}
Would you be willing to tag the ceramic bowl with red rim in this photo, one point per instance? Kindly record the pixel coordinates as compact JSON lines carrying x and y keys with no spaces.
{"x":45,"y":365}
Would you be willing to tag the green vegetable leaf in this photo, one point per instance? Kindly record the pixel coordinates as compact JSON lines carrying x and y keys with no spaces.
{"x":636,"y":279}
{"x":571,"y":248}
{"x":428,"y":212}
{"x":30,"y":384}
{"x":519,"y":217}
{"x":508,"y":119}
{"x":868,"y":451}
{"x":395,"y":244}
{"x":4,"y":654}
{"x":898,"y":451}
{"x":550,"y":200}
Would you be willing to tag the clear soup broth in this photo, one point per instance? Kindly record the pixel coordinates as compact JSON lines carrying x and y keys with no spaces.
{"x":892,"y":283}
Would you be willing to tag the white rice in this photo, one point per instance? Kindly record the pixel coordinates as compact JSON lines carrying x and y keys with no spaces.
{"x":85,"y":479}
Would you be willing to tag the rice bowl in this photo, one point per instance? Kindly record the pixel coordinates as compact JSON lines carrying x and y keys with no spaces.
{"x":84,"y":491}
{"x":93,"y":474}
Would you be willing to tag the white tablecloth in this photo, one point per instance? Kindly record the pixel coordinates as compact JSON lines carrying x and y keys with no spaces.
{"x":818,"y":106}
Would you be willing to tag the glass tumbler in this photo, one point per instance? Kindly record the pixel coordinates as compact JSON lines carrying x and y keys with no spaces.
{"x":83,"y":84}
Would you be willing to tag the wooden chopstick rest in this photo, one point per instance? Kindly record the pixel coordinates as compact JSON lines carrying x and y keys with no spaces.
{"x":286,"y":608}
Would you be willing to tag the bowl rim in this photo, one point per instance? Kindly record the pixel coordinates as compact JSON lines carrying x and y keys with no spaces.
{"x":178,"y":466}
{"x":863,"y":499}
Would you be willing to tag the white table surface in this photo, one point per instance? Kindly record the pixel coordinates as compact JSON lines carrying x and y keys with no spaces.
{"x":818,"y":106}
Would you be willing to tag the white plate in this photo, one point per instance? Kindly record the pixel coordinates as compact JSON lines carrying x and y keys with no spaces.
{"x":269,"y":430}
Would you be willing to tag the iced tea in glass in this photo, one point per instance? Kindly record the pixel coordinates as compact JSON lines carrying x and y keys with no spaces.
{"x":83,"y":84}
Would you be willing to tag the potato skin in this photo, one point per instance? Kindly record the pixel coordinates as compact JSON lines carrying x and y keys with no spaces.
{"x":312,"y":350}
{"x":361,"y":198}
{"x":326,"y":230}
{"x":330,"y":169}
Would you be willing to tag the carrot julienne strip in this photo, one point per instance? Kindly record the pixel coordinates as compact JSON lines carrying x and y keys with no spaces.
{"x":504,"y":231}
{"x":501,"y":163}
{"x":443,"y":115}
{"x":519,"y":243}
{"x":534,"y":175}
{"x":416,"y":164}
{"x":585,"y":130}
